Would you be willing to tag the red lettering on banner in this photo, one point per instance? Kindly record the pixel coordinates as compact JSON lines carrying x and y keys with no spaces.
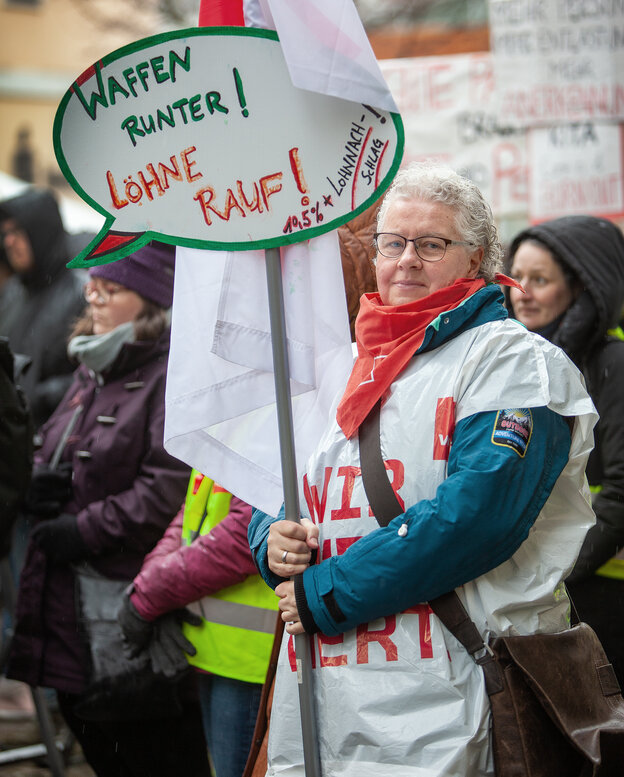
{"x":188,"y":163}
{"x":292,"y":656}
{"x":344,"y":543}
{"x":382,"y":636}
{"x":594,"y":195}
{"x":316,"y":508}
{"x":508,"y":170}
{"x":364,"y":636}
{"x":268,"y":185}
{"x":440,"y":89}
{"x":395,"y":466}
{"x":444,"y":427}
{"x":340,"y":660}
{"x":424,"y":628}
{"x":345,"y":510}
{"x":480,"y":79}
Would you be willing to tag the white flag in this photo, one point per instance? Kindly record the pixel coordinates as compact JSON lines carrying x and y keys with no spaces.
{"x":220,"y":407}
{"x":327,"y":50}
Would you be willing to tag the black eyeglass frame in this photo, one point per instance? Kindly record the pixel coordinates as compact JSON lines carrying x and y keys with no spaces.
{"x":447,"y":242}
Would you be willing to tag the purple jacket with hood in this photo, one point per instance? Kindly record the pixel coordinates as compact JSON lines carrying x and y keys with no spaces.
{"x":126,"y":490}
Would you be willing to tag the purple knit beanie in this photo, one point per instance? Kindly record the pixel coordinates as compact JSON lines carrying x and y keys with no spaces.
{"x":148,"y":271}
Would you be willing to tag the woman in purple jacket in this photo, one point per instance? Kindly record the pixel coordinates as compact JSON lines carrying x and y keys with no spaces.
{"x":107,"y":503}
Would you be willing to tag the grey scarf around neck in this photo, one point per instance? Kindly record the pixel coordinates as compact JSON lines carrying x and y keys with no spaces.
{"x":98,"y":352}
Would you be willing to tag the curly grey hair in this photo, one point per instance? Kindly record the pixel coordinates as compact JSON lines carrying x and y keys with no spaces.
{"x":474,"y":220}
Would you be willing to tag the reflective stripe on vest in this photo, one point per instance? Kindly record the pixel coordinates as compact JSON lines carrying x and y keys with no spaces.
{"x":233,"y":614}
{"x":614,"y":567}
{"x":238,"y":622}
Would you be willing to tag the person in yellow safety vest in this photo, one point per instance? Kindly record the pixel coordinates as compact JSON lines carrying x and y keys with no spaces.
{"x":203,"y":563}
{"x":572,"y":270}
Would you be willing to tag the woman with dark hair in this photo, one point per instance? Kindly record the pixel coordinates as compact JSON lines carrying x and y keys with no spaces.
{"x":104,"y":506}
{"x":572,"y":272}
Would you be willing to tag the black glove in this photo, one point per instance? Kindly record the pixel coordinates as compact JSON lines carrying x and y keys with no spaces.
{"x":137,"y":632}
{"x":168,"y":646}
{"x":49,"y":490}
{"x":162,"y":638}
{"x":60,"y":539}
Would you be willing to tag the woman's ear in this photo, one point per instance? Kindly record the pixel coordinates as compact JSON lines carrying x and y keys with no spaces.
{"x":476,"y":257}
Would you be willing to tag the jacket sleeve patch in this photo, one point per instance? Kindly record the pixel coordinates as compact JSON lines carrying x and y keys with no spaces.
{"x":513,"y":429}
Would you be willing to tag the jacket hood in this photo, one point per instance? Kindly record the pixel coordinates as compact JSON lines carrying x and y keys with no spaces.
{"x":37,"y":212}
{"x":592,"y":249}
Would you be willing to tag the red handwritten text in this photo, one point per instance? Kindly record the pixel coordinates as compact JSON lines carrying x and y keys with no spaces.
{"x":156,"y":178}
{"x":235,"y":199}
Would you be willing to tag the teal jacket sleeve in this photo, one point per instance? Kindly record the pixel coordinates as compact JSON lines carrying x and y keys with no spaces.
{"x":478,"y":518}
{"x":257,"y":534}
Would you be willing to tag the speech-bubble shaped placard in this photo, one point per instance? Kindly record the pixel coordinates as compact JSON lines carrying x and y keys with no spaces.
{"x":198,"y":138}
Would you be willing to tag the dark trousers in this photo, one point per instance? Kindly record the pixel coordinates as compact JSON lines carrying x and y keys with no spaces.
{"x":162,"y":747}
{"x":599,"y":601}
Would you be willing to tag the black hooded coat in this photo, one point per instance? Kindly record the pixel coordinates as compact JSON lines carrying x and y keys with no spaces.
{"x":16,"y":443}
{"x":592,"y":250}
{"x":38,"y":308}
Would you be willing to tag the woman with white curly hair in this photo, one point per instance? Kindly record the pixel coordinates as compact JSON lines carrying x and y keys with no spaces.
{"x":485,"y":429}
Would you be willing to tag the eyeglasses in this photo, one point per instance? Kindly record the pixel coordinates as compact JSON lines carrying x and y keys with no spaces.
{"x":428,"y":248}
{"x":102,"y":294}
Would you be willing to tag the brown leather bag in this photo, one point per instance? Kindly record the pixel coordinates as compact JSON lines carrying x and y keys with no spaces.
{"x":557,"y":708}
{"x":560,"y":710}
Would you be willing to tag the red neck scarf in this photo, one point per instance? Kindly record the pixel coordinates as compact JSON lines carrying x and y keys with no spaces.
{"x":387,"y":337}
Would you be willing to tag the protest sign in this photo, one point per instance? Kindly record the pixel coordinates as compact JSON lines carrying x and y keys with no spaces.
{"x":576,"y":168}
{"x":198,"y":137}
{"x":448,"y":110}
{"x":558,"y":60}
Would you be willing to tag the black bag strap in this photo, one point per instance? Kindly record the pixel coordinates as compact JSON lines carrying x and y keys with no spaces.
{"x":385,"y":505}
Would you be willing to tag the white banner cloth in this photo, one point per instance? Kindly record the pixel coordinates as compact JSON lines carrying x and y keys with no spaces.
{"x":326,"y":48}
{"x":220,"y":402}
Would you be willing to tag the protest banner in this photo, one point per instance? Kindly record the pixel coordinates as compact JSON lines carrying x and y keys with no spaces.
{"x":576,"y":168}
{"x":203,"y":141}
{"x":448,"y":108}
{"x":557,"y":60}
{"x":449,"y":105}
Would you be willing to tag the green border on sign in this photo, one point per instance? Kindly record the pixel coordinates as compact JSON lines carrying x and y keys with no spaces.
{"x":145,"y":237}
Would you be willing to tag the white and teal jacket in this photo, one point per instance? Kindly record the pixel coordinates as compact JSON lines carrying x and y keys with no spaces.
{"x":475,"y":433}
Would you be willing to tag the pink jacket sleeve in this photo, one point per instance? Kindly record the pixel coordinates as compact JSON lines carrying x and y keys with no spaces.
{"x":174,"y":575}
